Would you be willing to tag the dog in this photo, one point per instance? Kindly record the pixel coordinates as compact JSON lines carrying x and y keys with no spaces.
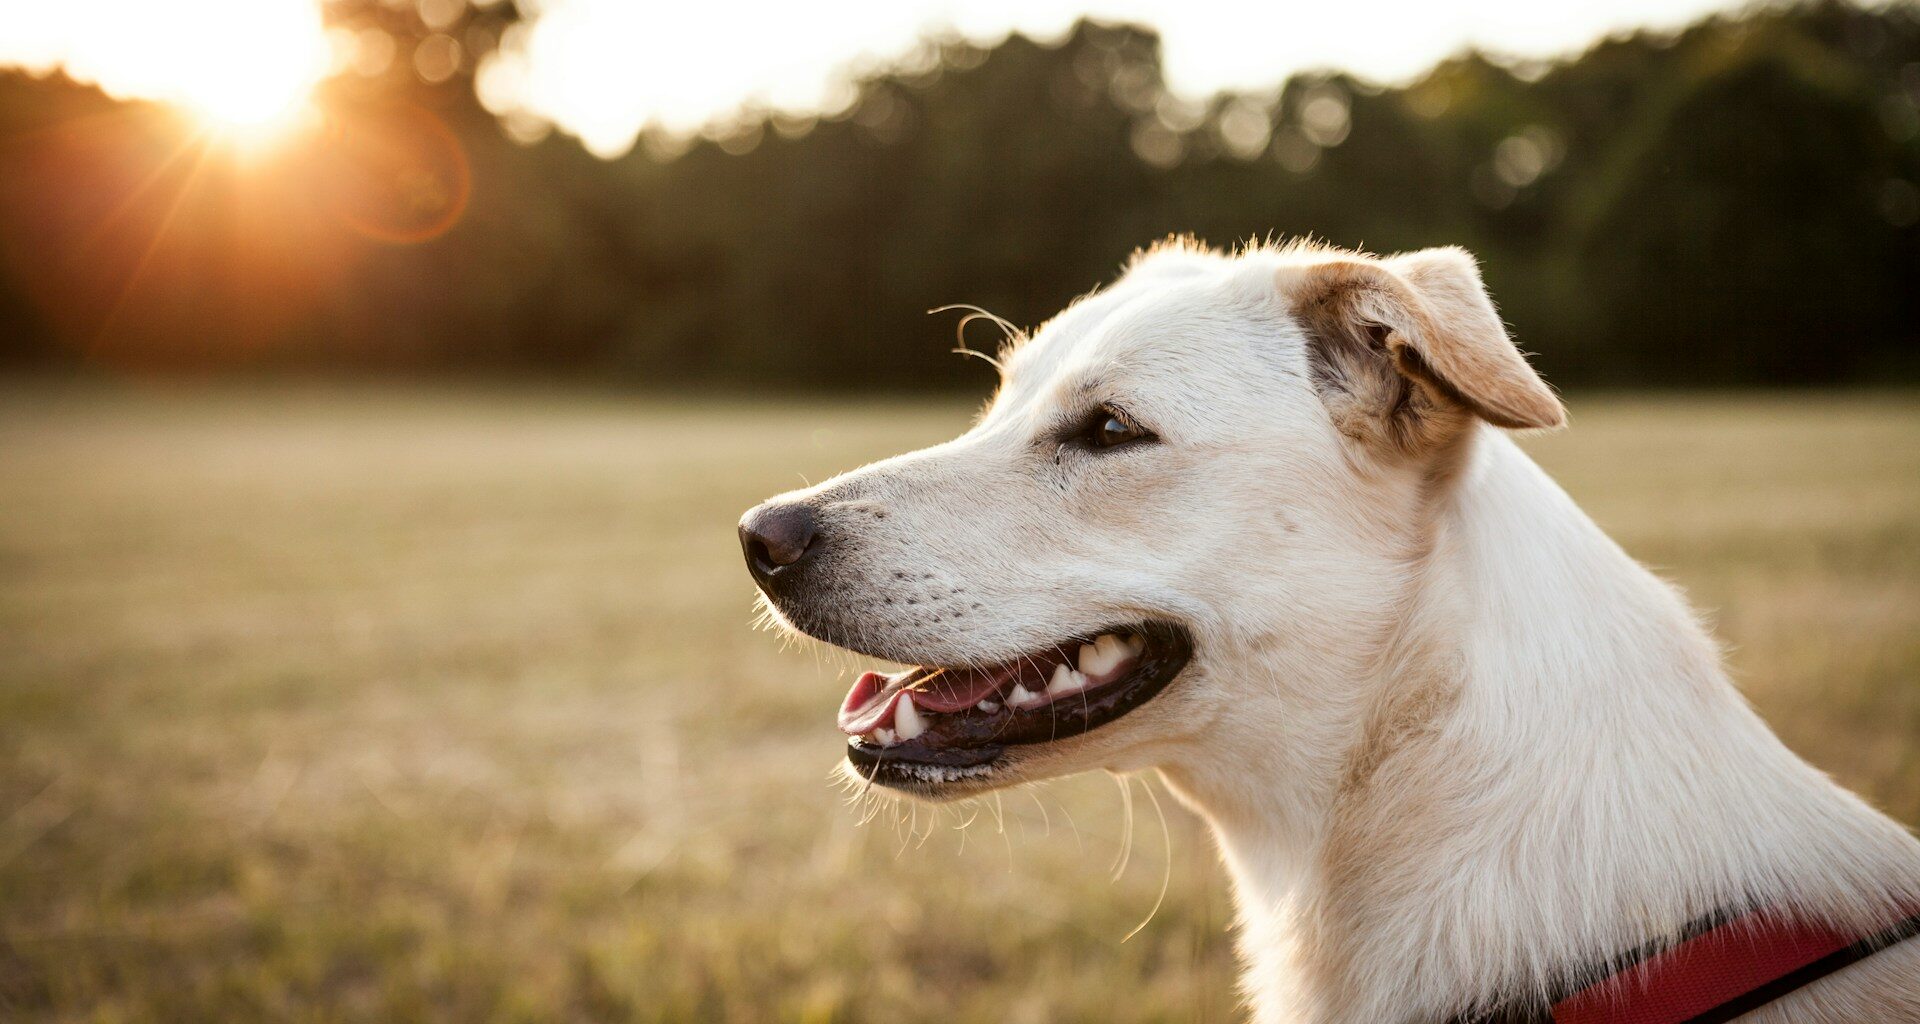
{"x":1254,"y":520}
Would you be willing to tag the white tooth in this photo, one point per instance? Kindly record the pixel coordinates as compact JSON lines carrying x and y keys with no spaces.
{"x":907,"y":722}
{"x":1103,"y":655}
{"x":1135,"y":645}
{"x":1022,"y":697}
{"x":988,"y":706}
{"x":884,"y":737}
{"x":1066,"y":680}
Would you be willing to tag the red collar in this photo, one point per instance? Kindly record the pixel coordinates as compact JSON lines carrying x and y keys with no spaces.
{"x":1715,"y":972}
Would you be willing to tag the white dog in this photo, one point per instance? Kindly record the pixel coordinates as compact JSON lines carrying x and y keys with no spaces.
{"x":1250,"y":520}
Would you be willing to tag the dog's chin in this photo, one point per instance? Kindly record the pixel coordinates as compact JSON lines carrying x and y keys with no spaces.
{"x":944,"y":732}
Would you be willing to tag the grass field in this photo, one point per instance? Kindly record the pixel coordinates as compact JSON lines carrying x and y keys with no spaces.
{"x":373,"y":705}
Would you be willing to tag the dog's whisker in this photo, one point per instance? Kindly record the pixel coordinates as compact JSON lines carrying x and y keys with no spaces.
{"x":1079,"y":846}
{"x":1166,"y":872}
{"x":1044,"y":816}
{"x":1011,"y":336}
{"x":1000,"y":817}
{"x":933,"y":825}
{"x":1126,"y":819}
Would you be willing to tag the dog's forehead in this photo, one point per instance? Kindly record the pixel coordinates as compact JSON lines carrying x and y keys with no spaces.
{"x":1190,"y":326}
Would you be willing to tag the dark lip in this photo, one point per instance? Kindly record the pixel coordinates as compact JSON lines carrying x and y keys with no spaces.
{"x":976,"y":739}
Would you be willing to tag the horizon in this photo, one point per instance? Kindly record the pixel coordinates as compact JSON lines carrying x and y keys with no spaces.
{"x":604,"y":71}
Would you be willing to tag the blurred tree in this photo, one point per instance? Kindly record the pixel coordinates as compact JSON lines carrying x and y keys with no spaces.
{"x":1734,"y":203}
{"x":1742,"y":235}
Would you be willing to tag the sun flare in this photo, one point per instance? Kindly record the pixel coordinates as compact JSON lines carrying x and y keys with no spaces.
{"x":247,"y":105}
{"x":246,"y":68}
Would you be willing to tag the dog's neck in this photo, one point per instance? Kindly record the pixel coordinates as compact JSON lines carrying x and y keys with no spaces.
{"x":1544,"y":765}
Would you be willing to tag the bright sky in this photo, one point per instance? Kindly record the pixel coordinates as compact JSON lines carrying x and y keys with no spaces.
{"x":603,"y":68}
{"x":177,"y":50}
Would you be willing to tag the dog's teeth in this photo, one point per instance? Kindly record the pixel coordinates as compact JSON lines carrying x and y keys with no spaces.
{"x":1065,"y":680}
{"x":1135,"y":644}
{"x":907,"y":722}
{"x":1103,"y":655}
{"x":988,"y":706}
{"x":1089,"y":654}
{"x":1021,"y":697}
{"x":884,"y":737}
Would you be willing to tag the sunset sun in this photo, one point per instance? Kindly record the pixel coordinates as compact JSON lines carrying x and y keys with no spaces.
{"x":246,"y":68}
{"x":246,"y":101}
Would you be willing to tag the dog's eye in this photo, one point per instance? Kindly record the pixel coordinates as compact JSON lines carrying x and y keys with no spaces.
{"x":1108,"y":429}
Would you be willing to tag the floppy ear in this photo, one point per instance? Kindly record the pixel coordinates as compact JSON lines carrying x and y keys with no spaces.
{"x":1411,"y":344}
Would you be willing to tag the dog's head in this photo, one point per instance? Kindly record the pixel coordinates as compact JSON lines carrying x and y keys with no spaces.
{"x":1194,"y":503}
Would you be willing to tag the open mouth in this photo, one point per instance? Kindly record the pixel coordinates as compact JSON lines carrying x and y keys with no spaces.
{"x":931,"y":724}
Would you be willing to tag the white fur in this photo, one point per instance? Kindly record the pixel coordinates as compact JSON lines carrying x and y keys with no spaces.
{"x":1454,"y":743}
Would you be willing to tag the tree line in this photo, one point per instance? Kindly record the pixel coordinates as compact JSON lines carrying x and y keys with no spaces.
{"x":1736,"y":203}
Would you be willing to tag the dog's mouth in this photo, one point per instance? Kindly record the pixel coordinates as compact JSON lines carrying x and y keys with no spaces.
{"x":931,"y":724}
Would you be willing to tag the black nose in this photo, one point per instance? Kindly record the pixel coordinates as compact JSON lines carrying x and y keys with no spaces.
{"x":776,"y":538}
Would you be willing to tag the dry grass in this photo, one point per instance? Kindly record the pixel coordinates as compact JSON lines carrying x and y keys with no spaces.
{"x":385,"y":706}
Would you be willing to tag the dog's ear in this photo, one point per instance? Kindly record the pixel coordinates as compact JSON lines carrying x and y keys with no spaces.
{"x":1406,"y":347}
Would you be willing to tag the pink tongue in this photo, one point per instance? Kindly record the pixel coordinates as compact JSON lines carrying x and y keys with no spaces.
{"x":871,"y":701}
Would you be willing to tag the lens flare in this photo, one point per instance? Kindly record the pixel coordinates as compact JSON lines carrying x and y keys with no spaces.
{"x":397,"y":175}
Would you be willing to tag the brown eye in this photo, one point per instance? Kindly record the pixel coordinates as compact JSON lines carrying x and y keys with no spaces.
{"x":1108,"y":429}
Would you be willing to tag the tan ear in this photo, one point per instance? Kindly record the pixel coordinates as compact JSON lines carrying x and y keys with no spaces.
{"x":1425,"y":318}
{"x":1466,"y":345}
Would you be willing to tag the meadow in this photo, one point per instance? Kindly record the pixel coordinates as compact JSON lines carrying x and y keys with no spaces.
{"x":387,"y":704}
